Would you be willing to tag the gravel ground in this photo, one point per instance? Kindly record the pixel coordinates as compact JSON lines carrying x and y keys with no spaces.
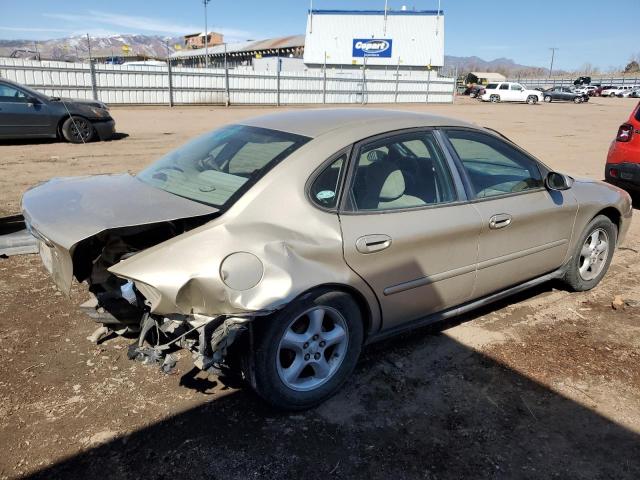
{"x":546,"y":384}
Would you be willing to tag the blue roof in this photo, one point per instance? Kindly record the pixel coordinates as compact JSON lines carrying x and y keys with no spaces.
{"x":377,"y":12}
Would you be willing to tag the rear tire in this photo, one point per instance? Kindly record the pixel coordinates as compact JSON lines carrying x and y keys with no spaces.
{"x":547,"y":98}
{"x":77,"y":130}
{"x":289,"y":338}
{"x":532,"y":99}
{"x":494,"y":98}
{"x":590,"y":261}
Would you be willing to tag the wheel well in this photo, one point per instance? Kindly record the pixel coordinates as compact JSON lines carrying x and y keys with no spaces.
{"x":612,"y":214}
{"x":362,"y":303}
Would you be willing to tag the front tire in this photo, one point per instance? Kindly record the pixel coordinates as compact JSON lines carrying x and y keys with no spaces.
{"x":578,"y":100}
{"x":305,"y":352}
{"x":77,"y":130}
{"x":593,"y":254}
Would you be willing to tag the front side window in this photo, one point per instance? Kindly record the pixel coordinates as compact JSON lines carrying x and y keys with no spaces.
{"x":493,"y":166}
{"x":221,"y":165}
{"x":516,"y":86}
{"x":404,"y":171}
{"x":10,"y":94}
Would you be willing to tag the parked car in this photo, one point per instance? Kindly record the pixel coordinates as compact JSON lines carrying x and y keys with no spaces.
{"x":475,"y":90}
{"x":614,"y":91}
{"x":628,"y":92}
{"x":623,"y":160}
{"x":635,"y":93}
{"x":564,"y":94}
{"x":589,"y":90}
{"x":26,"y":113}
{"x":582,"y":81}
{"x":278,"y":247}
{"x":510,"y":92}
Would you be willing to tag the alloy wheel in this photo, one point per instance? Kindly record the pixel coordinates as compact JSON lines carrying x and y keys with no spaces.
{"x":312,"y":348}
{"x":593,"y":255}
{"x":81,"y":129}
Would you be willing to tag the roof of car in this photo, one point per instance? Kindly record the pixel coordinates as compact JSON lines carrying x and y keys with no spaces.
{"x":315,"y":122}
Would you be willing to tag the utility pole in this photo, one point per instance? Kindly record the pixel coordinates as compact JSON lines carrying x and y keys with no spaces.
{"x":206,"y":35}
{"x":89,"y":45}
{"x":553,"y":54}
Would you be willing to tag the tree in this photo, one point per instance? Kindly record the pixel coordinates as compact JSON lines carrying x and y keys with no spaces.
{"x":632,"y":67}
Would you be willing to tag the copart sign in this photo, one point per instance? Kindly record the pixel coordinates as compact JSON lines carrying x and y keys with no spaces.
{"x":372,"y":47}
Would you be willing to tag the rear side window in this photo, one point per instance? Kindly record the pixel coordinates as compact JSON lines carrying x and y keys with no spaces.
{"x":638,"y":112}
{"x":493,"y":166}
{"x":492,"y":86}
{"x":401,"y":171}
{"x":504,"y":86}
{"x":324,"y":190}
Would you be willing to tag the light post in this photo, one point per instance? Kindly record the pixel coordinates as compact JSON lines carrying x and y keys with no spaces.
{"x":206,"y":35}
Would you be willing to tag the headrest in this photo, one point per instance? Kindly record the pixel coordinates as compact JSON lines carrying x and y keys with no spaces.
{"x":386,"y":178}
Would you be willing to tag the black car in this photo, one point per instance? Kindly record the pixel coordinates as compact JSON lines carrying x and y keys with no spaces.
{"x":26,"y":113}
{"x":582,"y":81}
{"x":564,"y":94}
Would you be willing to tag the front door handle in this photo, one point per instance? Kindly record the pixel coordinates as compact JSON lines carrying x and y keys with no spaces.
{"x":373,"y":243}
{"x":500,"y":220}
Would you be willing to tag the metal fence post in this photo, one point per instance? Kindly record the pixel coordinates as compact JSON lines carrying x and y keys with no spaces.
{"x":395,"y":97}
{"x":324,"y":79}
{"x":428,"y":85}
{"x":364,"y":78}
{"x":278,"y":84}
{"x":226,"y":77}
{"x":454,"y":89}
{"x":94,"y":83}
{"x":170,"y":83}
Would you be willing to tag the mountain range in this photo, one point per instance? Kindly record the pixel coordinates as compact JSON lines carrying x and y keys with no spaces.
{"x":77,"y":48}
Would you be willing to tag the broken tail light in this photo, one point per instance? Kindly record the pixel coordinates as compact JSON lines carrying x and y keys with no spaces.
{"x":625,"y":132}
{"x":613,"y":172}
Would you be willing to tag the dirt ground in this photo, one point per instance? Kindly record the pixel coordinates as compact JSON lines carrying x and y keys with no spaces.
{"x":543,"y":385}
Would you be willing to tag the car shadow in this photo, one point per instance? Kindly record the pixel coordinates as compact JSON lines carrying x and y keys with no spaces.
{"x":421,"y":405}
{"x":44,"y":141}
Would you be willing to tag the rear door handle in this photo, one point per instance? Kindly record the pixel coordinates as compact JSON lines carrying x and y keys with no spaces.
{"x":500,"y":220}
{"x":373,"y":243}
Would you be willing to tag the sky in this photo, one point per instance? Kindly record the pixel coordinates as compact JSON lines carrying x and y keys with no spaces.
{"x":524,"y":31}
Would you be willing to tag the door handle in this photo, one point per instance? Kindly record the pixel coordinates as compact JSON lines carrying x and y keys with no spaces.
{"x":373,"y":243}
{"x":500,"y":220}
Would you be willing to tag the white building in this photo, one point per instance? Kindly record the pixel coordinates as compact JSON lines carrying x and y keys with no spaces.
{"x":342,"y":38}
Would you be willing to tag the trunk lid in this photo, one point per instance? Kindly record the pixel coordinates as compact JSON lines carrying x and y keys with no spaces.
{"x":65,"y":211}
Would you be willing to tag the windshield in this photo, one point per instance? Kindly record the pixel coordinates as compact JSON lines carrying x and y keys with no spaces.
{"x":218,"y":167}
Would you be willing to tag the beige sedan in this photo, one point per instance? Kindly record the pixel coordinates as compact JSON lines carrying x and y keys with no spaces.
{"x":275,"y":249}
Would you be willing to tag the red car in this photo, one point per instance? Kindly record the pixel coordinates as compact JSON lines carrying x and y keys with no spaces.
{"x":623,"y":161}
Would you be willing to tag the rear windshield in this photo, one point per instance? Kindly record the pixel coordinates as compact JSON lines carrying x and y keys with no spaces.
{"x":220,"y":166}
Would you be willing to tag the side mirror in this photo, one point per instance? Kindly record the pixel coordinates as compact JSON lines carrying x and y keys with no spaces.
{"x":31,"y":101}
{"x":558,"y":181}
